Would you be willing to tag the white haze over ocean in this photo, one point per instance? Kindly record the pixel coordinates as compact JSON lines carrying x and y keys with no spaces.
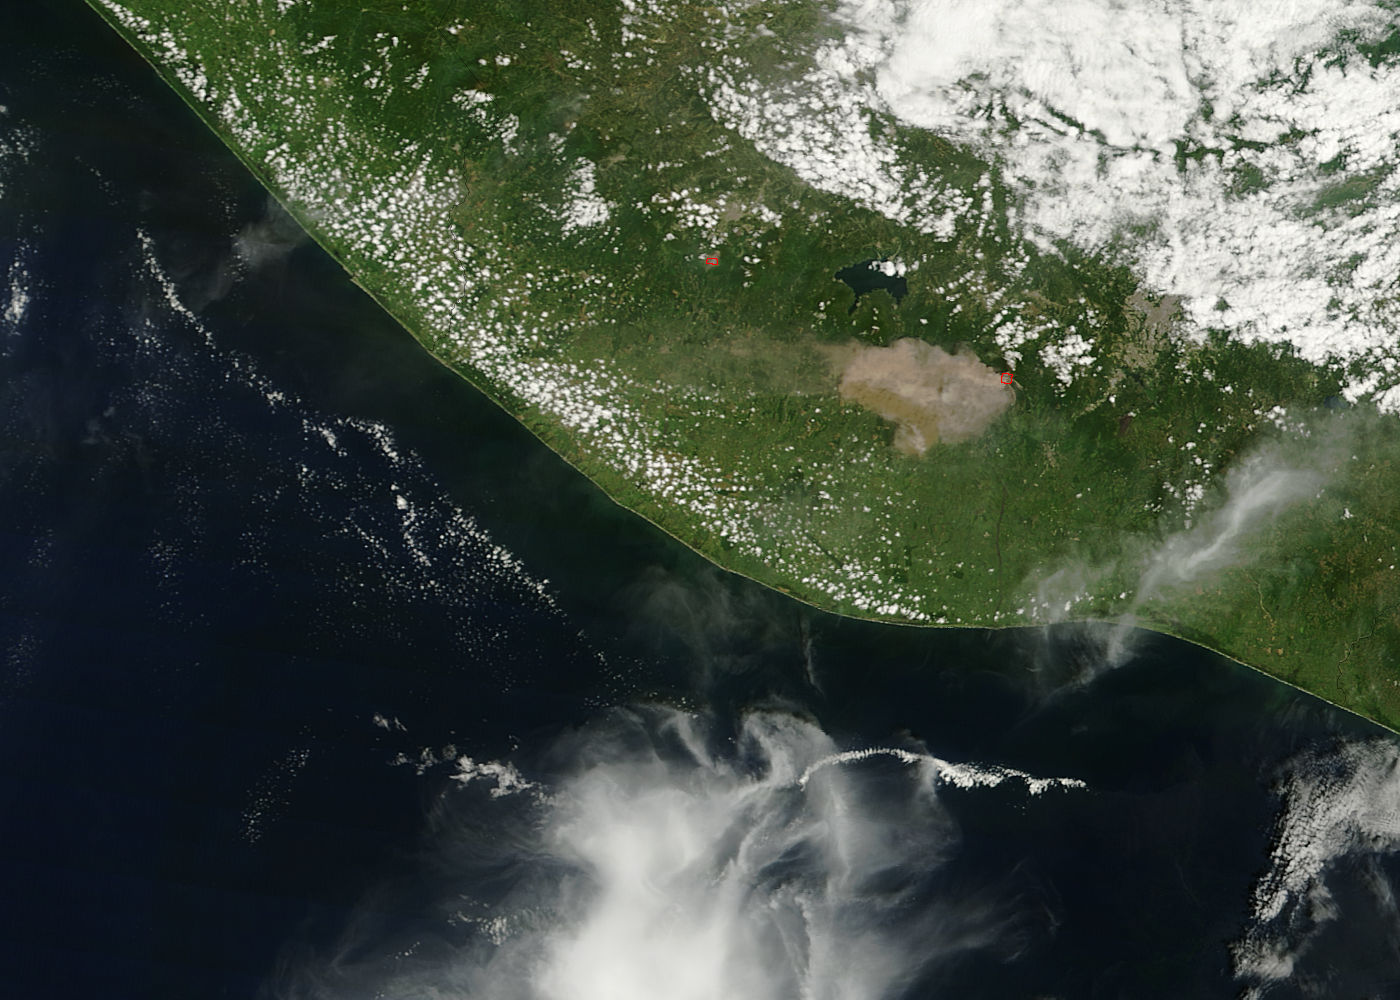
{"x":1085,"y":105}
{"x":781,"y":868}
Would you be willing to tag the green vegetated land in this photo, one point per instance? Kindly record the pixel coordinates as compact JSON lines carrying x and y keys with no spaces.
{"x":532,"y":190}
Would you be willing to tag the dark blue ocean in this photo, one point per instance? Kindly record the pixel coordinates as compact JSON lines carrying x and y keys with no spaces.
{"x":321,"y":678}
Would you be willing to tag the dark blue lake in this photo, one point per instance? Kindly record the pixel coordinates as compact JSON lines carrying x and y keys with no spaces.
{"x":323,"y":678}
{"x":872,"y":275}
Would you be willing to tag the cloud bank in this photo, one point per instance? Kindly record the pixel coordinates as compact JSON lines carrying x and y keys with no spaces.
{"x":672,"y":861}
{"x":1252,"y":147}
{"x":1337,"y":804}
{"x":1244,"y":156}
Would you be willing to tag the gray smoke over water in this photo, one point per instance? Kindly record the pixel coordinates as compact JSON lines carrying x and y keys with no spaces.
{"x":672,"y":862}
{"x":270,"y":239}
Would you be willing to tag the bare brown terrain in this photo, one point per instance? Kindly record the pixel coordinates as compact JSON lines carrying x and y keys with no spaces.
{"x":930,"y":395}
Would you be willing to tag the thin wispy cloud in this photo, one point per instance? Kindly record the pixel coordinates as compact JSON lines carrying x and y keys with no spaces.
{"x":669,"y":862}
{"x":1338,"y":803}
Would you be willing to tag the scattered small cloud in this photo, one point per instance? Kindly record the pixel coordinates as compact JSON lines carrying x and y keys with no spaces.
{"x":1339,"y":803}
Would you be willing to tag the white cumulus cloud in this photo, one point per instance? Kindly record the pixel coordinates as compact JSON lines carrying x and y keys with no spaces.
{"x":1204,"y":143}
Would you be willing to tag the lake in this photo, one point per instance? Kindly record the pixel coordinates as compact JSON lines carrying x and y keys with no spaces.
{"x":322,"y":676}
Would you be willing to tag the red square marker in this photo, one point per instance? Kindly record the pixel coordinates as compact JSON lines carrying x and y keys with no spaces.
{"x":1006,"y":378}
{"x":712,"y":260}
